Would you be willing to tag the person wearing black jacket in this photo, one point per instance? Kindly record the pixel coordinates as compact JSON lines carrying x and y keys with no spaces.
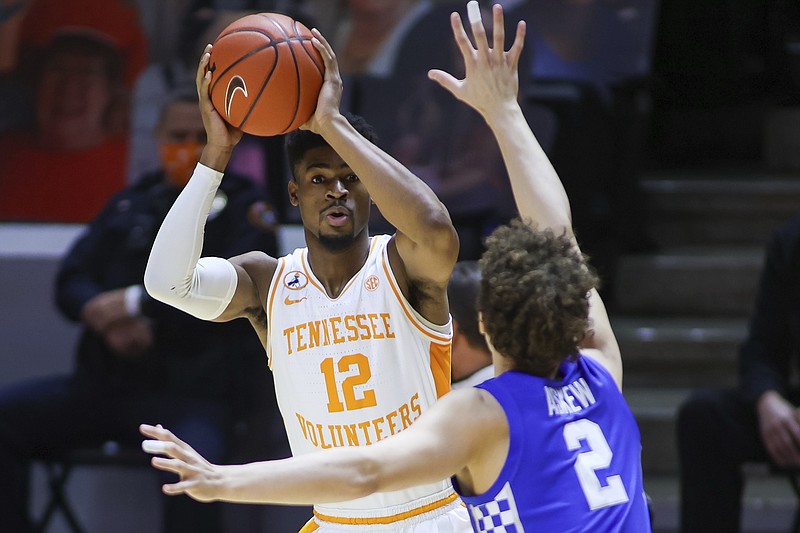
{"x":719,"y":430}
{"x":138,"y":359}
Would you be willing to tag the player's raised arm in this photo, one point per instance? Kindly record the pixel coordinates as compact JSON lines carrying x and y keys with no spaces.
{"x":426,"y":239}
{"x":211,"y":288}
{"x":491,"y":87}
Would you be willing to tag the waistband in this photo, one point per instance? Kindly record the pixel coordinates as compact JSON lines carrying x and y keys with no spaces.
{"x":397,"y":516}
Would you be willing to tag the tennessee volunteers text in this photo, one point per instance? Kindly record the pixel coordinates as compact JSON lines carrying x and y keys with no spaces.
{"x":361,"y":433}
{"x":337,"y":330}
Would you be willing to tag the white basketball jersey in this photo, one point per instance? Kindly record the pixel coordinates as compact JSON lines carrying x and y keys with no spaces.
{"x":352,"y":370}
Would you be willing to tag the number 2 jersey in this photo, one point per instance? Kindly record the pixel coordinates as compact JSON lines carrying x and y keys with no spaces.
{"x":355,"y":369}
{"x":574,"y":458}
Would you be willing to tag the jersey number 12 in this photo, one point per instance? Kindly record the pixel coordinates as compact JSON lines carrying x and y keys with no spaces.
{"x":352,"y":400}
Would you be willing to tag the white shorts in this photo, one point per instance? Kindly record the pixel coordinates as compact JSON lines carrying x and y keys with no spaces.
{"x":453,"y":520}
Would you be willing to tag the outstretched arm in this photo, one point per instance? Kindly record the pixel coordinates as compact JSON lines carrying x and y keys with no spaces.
{"x":426,"y":239}
{"x":211,"y":288}
{"x":491,"y":87}
{"x":441,"y":443}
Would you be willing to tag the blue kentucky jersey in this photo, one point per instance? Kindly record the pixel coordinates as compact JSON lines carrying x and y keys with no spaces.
{"x":574,"y":458}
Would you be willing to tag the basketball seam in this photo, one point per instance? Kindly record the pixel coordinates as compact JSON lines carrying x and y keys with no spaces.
{"x":241,"y":30}
{"x":296,"y":70}
{"x":261,"y":90}
{"x":273,"y":44}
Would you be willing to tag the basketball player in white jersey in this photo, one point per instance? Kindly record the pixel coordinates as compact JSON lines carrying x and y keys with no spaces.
{"x":356,"y":328}
{"x":547,"y":445}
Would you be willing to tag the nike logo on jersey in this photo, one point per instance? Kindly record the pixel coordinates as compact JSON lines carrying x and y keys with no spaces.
{"x":289,"y":301}
{"x":236,"y":83}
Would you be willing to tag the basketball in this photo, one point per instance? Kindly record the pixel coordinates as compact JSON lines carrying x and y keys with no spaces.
{"x":265,"y":74}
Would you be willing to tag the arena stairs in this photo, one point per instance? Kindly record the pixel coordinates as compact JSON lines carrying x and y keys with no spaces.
{"x":681,"y":311}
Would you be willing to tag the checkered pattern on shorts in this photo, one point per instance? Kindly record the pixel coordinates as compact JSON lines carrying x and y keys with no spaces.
{"x":499,"y":515}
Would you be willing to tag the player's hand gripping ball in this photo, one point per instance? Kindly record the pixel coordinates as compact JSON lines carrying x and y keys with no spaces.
{"x":265,"y":74}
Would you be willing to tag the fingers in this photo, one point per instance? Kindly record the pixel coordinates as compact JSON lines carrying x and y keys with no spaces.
{"x":176,"y":466}
{"x":791,"y":451}
{"x":460,"y":35}
{"x":165,"y":443}
{"x":473,"y":11}
{"x":181,"y":458}
{"x":793,"y":429}
{"x":182,"y":487}
{"x":783,"y":452}
{"x":481,"y":47}
{"x":325,"y":49}
{"x":515,"y":51}
{"x":156,"y":431}
{"x":782,"y":443}
{"x":203,"y":74}
{"x":478,"y":31}
{"x":444,"y":79}
{"x":498,"y":32}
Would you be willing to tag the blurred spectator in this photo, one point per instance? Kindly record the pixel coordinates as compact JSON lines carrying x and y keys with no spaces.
{"x":720,"y":430}
{"x":450,"y":147}
{"x":155,"y":84}
{"x":71,"y":162}
{"x":386,"y":50}
{"x":138,"y":359}
{"x":12,"y":13}
{"x":200,"y":23}
{"x":384,"y":38}
{"x":118,"y":20}
{"x":471,"y":360}
{"x":15,"y":102}
{"x":590,"y":66}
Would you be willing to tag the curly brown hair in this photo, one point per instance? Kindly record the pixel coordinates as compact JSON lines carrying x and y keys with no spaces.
{"x":535,"y":296}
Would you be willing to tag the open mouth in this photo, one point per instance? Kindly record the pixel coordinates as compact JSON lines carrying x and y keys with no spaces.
{"x":337,"y":216}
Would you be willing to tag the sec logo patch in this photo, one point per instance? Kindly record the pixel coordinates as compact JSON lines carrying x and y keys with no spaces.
{"x":371,"y":283}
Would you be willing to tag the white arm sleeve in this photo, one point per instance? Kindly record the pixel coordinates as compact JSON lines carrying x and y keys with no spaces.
{"x":175,"y":273}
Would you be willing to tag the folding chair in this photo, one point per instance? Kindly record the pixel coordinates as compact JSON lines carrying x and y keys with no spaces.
{"x":58,"y":469}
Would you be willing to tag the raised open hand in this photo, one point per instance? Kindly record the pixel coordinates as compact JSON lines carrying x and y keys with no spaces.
{"x":491,"y":79}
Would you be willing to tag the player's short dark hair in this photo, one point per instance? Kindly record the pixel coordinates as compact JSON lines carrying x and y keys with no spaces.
{"x":299,"y":141}
{"x":535,"y":296}
{"x":462,"y":293}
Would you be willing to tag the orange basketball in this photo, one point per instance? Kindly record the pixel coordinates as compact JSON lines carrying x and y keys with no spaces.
{"x":265,"y":74}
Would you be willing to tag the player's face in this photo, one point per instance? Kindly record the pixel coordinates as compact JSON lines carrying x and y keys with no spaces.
{"x":334,"y":204}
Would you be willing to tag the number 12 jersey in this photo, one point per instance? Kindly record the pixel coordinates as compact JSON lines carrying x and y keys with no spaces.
{"x":355,"y":369}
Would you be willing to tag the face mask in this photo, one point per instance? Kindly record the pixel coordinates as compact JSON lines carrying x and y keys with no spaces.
{"x":178,"y":161}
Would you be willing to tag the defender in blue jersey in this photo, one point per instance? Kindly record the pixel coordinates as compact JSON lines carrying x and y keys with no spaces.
{"x":547,"y":445}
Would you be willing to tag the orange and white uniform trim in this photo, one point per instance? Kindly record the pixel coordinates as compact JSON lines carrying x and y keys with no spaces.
{"x":352,"y":370}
